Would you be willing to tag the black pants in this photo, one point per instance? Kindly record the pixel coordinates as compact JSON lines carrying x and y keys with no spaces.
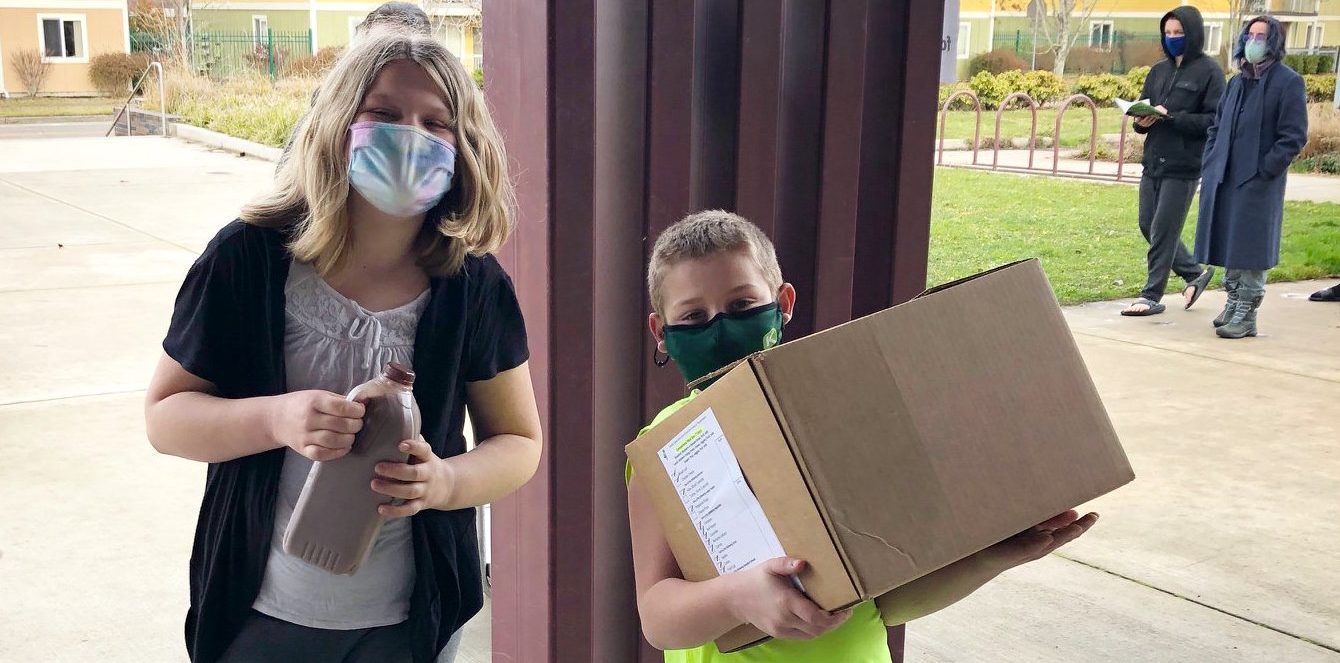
{"x":1164,"y":202}
{"x":264,"y":639}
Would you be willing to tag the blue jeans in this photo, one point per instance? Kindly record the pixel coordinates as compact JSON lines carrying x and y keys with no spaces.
{"x":448,"y":653}
{"x":1251,"y":283}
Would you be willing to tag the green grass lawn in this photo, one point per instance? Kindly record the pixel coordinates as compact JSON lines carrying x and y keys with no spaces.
{"x":1015,"y":123}
{"x":57,"y":106}
{"x":1086,"y":234}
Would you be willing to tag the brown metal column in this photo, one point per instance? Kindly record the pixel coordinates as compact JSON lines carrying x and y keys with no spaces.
{"x":811,"y":117}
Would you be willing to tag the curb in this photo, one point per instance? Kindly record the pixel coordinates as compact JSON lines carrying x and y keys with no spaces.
{"x":225,"y":142}
{"x":1007,"y":143}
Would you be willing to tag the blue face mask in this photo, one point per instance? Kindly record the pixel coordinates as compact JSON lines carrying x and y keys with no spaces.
{"x":1255,"y":51}
{"x":402,"y":170}
{"x":1176,"y":45}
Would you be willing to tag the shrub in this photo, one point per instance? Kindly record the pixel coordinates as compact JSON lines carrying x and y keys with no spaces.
{"x":1141,"y":53}
{"x":312,"y":66}
{"x":998,"y":61}
{"x":1310,"y":64}
{"x":1103,"y":88}
{"x":962,"y":103}
{"x":252,"y":107}
{"x":1323,"y":132}
{"x":992,"y":89}
{"x":1045,"y":61}
{"x":1320,"y":87}
{"x":31,"y":69}
{"x":114,"y":73}
{"x":1135,"y":82}
{"x":258,"y":59}
{"x":1105,"y":151}
{"x":1044,"y":86}
{"x":1086,"y":60}
{"x":478,"y":74}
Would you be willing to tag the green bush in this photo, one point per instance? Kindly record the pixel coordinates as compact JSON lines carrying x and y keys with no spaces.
{"x":114,"y":73}
{"x":1102,"y":88}
{"x":998,"y":61}
{"x":1310,"y":64}
{"x":1044,"y":86}
{"x":962,"y":103}
{"x":992,"y":89}
{"x":1135,"y":81}
{"x":478,"y":74}
{"x":1320,"y":87}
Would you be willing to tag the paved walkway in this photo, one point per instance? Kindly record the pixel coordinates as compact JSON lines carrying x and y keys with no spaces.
{"x":1315,"y":188}
{"x":1222,"y":550}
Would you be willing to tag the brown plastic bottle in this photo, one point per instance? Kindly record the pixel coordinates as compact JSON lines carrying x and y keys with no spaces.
{"x":336,"y":521}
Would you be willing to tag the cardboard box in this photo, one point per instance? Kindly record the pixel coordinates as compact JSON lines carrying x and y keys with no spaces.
{"x":889,"y":447}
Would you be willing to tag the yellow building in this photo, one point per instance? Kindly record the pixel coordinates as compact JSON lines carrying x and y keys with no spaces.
{"x":325,"y":23}
{"x":985,"y":25}
{"x":67,"y":34}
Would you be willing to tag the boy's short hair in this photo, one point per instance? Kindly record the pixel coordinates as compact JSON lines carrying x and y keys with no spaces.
{"x":704,"y":234}
{"x":402,"y":16}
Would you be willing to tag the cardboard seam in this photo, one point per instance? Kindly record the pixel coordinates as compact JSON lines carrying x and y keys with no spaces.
{"x":760,"y":374}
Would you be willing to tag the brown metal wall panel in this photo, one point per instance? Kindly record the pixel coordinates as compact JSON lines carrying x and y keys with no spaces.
{"x":618,"y":313}
{"x":621,"y":116}
{"x":915,"y":148}
{"x":670,"y":111}
{"x":716,"y":103}
{"x":518,"y":93}
{"x":571,"y":292}
{"x":844,"y":80}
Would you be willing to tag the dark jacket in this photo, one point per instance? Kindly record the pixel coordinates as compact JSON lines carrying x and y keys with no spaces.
{"x":228,"y":328}
{"x":1260,"y":127}
{"x":1190,"y":92}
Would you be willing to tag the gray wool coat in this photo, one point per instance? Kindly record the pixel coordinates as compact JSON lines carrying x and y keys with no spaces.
{"x":1254,"y":139}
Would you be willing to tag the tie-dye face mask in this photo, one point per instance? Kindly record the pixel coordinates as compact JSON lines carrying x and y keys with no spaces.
{"x":401,"y":170}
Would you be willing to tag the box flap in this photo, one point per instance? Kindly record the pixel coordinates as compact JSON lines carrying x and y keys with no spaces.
{"x":965,"y":415}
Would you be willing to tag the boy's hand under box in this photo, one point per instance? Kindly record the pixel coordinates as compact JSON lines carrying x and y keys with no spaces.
{"x":889,"y":447}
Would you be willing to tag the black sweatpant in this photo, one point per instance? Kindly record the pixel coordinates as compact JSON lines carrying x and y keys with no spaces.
{"x":265,"y":639}
{"x":1164,"y":202}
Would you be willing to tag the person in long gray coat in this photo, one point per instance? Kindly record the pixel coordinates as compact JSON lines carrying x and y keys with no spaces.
{"x":1260,"y":126}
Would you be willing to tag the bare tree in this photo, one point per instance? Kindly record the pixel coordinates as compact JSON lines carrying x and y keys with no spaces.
{"x":463,"y":15}
{"x":1062,"y":23}
{"x":167,"y":24}
{"x":1238,"y":11}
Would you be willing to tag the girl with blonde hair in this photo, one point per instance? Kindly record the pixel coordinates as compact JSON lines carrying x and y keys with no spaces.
{"x":374,"y":246}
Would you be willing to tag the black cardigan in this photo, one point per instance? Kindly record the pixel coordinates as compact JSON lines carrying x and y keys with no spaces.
{"x":228,"y":328}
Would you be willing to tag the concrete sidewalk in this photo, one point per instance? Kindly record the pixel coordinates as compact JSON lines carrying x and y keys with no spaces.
{"x":1222,"y":550}
{"x":1314,"y":188}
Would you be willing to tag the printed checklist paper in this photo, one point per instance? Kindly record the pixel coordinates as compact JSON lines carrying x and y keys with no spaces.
{"x":723,"y":509}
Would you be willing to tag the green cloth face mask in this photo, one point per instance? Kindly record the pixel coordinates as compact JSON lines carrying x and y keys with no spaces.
{"x":725,"y":339}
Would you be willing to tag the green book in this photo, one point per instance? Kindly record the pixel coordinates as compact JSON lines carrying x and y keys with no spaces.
{"x":1139,"y":108}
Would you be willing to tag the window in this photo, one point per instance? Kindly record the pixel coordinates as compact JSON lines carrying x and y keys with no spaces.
{"x":1100,"y":34}
{"x":1214,"y":37}
{"x":63,"y":38}
{"x":1315,"y":34}
{"x":964,"y":40}
{"x":260,"y":30}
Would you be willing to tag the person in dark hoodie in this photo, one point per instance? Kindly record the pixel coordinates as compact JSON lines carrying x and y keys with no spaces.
{"x":1260,"y":126}
{"x":1186,"y":88}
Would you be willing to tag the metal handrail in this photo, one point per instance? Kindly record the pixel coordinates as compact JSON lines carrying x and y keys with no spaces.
{"x":162,"y":101}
